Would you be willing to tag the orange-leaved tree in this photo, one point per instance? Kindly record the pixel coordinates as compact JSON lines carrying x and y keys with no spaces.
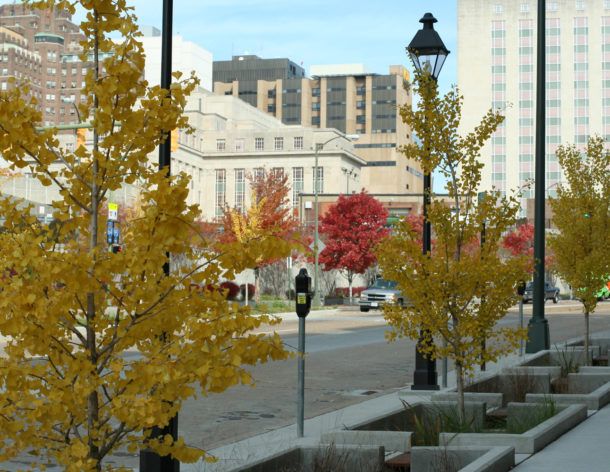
{"x":70,"y":310}
{"x":270,"y":212}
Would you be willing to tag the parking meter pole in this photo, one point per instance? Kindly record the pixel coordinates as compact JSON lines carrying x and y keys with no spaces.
{"x":302,"y":288}
{"x":521,"y":325}
{"x":301,"y":384}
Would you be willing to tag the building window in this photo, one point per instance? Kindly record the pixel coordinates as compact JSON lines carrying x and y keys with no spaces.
{"x":606,"y":4}
{"x":552,"y":6}
{"x":315,"y":121}
{"x":320,"y":180}
{"x":315,"y":106}
{"x":278,"y":172}
{"x":525,"y":8}
{"x":278,"y":143}
{"x":361,"y":119}
{"x":315,"y":92}
{"x":360,"y":105}
{"x":580,"y":5}
{"x":240,"y":188}
{"x":239,"y":144}
{"x":220,"y":145}
{"x":259,"y":144}
{"x":297,"y":185}
{"x":221,"y":188}
{"x":258,"y":174}
{"x":298,"y":143}
{"x":498,"y":9}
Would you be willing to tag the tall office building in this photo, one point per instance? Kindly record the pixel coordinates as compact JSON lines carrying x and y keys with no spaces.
{"x":42,"y":46}
{"x":247,"y":70}
{"x":497,"y":69}
{"x":349,"y":98}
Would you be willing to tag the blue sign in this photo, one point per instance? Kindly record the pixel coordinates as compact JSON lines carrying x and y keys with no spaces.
{"x":116,"y":235}
{"x":109,"y":232}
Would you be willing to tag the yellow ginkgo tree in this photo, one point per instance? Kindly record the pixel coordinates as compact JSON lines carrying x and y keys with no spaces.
{"x":70,"y":310}
{"x":581,"y":213}
{"x":461,"y":289}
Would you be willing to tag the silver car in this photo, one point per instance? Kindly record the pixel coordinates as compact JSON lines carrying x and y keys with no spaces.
{"x":382,"y":291}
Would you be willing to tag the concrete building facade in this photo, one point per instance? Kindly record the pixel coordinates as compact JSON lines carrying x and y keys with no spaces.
{"x":233,"y":140}
{"x":497,"y":69}
{"x":186,"y":57}
{"x":352,"y":100}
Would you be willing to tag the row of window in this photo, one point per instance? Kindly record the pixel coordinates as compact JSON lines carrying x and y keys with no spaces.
{"x":240,"y":184}
{"x":259,"y":144}
{"x":579,"y":5}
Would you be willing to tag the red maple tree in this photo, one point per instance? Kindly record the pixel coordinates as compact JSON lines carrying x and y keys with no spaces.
{"x":271,"y":190}
{"x":352,"y":227}
{"x":521,"y":240}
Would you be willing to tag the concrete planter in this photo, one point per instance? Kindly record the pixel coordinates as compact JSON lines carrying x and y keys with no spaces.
{"x":334,"y":457}
{"x":526,"y":443}
{"x":467,"y":459}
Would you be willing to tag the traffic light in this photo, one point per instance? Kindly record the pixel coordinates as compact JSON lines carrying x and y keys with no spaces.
{"x":81,"y":137}
{"x":116,"y":248}
{"x":174,"y":140}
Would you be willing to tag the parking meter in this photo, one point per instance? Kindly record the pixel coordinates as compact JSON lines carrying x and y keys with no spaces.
{"x":302,"y":284}
{"x":521,"y":288}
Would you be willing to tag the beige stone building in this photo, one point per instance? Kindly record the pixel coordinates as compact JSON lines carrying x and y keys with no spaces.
{"x":233,"y":139}
{"x":347,"y":97}
{"x":497,"y":69}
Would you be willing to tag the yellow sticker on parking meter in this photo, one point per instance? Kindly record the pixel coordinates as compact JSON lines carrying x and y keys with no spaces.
{"x":301,"y":299}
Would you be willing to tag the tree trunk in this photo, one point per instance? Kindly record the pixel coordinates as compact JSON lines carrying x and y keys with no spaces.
{"x":257,"y":292}
{"x":587,"y":338}
{"x":93,"y":411}
{"x":350,"y":279}
{"x":459,"y":378}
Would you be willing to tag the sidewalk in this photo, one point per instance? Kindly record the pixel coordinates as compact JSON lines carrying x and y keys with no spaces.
{"x":584,"y":448}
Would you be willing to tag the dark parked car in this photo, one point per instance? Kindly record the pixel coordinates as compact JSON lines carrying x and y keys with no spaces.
{"x":550,"y":292}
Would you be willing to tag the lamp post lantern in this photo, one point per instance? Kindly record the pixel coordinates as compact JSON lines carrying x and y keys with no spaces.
{"x":428,"y":54}
{"x":318,"y":147}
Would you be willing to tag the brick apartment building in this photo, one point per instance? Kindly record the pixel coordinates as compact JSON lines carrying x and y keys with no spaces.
{"x":42,"y":46}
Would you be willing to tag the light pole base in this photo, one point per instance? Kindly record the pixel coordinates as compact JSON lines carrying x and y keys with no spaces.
{"x":538,"y":338}
{"x":425,"y":376}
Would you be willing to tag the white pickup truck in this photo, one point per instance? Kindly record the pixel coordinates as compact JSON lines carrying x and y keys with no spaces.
{"x":382,"y":291}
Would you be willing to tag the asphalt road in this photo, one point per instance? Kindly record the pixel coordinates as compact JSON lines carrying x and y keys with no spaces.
{"x":348,"y":361}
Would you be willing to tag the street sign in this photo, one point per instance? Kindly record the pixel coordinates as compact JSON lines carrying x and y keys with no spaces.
{"x":321,"y":246}
{"x":113,"y":211}
{"x":109,"y":232}
{"x":115,"y":235}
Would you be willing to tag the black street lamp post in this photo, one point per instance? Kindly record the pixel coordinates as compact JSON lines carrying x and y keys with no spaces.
{"x":539,"y":337}
{"x":150,"y":461}
{"x":428,"y":54}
